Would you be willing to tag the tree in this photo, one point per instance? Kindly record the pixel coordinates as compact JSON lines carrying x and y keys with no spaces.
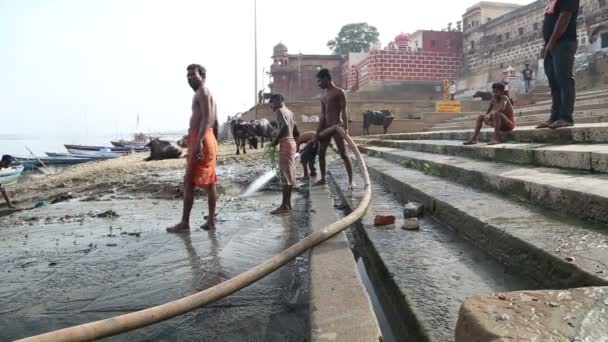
{"x":450,"y":27}
{"x":459,"y":26}
{"x":357,"y":37}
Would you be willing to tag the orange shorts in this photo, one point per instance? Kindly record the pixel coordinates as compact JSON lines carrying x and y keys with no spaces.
{"x":202,"y":173}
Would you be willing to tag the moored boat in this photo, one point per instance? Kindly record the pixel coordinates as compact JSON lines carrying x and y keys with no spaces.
{"x":11,"y":174}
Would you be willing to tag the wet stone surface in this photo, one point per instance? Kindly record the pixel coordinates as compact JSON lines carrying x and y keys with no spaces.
{"x":62,"y":265}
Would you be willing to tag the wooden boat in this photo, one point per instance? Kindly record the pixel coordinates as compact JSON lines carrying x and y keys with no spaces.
{"x":11,"y":174}
{"x":128,"y":144}
{"x":81,"y":156}
{"x":32,"y":163}
{"x":105,"y":148}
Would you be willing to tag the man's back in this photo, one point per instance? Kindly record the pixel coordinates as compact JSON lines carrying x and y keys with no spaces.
{"x":332,"y":102}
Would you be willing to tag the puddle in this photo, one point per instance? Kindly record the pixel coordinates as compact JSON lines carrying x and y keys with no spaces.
{"x":78,"y":261}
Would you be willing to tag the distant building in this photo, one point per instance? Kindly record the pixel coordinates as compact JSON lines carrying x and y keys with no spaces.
{"x":294,"y":76}
{"x":499,"y":35}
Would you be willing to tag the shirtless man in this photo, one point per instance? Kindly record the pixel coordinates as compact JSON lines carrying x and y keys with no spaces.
{"x":333,"y":112}
{"x":499,"y":115}
{"x":5,"y":163}
{"x":202,"y":150}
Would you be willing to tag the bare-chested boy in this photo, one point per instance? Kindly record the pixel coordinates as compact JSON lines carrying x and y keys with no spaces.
{"x":5,"y":163}
{"x":333,"y":112}
{"x":202,"y":150}
{"x":499,"y":115}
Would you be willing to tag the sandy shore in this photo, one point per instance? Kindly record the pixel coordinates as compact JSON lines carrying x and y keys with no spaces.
{"x":128,"y":176}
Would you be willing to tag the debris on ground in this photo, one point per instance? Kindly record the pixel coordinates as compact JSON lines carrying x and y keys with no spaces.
{"x":413,"y":209}
{"x":107,"y":214}
{"x":411,"y":224}
{"x":136,"y":234}
{"x":381,"y":220}
{"x":111,"y":244}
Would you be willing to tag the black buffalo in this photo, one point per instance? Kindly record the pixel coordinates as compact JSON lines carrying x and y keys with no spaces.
{"x":162,"y":149}
{"x":241,"y":131}
{"x":263,"y":129}
{"x":382,"y":118}
{"x":484,"y":95}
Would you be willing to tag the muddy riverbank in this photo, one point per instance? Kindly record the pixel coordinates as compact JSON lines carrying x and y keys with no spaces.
{"x":101,"y":250}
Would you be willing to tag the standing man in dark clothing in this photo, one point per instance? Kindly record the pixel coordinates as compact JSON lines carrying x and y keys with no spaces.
{"x":527,"y":73}
{"x":559,"y":31}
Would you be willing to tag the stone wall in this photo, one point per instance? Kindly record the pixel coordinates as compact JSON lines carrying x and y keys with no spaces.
{"x":515,"y":39}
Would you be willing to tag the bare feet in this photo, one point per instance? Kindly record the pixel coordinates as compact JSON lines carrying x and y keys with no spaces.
{"x":280,"y":211}
{"x":352,"y":186}
{"x":321,"y":181}
{"x":208,"y":226}
{"x":179,"y":228}
{"x":470,"y":142}
{"x":494,"y":142}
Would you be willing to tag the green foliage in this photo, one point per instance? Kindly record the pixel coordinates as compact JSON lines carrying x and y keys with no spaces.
{"x":356,"y":37}
{"x":272,"y":154}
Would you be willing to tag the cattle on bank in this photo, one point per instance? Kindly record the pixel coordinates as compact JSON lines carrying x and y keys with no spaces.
{"x":382,"y":118}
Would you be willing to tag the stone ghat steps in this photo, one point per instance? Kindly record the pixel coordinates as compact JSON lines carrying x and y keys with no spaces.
{"x":475,"y":243}
{"x":533,"y":121}
{"x":579,"y":95}
{"x":581,"y":194}
{"x":582,"y":157}
{"x":581,"y":133}
{"x":581,"y":105}
{"x":422,"y":277}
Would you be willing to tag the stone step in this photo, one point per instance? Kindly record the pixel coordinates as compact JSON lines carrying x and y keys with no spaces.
{"x":583,"y":157}
{"x":428,"y":273}
{"x":529,"y":118}
{"x":581,"y":133}
{"x":422,"y":277}
{"x":545,"y":110}
{"x":580,"y":95}
{"x":579,"y":193}
{"x":586,"y":119}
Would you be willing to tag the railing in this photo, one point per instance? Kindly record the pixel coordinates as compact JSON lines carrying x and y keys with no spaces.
{"x":139,"y":319}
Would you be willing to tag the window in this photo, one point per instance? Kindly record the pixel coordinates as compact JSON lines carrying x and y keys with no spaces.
{"x":433,"y":43}
{"x":604,"y":38}
{"x":535,"y":26}
{"x":601,"y":3}
{"x":499,"y":38}
{"x":521,"y":31}
{"x":581,"y":10}
{"x":507,"y":35}
{"x":472,"y":45}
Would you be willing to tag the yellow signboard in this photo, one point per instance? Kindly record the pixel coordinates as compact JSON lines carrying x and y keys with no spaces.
{"x":448,"y":107}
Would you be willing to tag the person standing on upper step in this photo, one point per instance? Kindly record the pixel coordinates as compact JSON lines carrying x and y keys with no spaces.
{"x":559,"y":32}
{"x":528,"y":74}
{"x":333,"y":113}
{"x":499,"y":115}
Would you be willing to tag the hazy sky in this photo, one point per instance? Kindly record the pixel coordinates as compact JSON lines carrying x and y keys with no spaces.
{"x":70,"y":64}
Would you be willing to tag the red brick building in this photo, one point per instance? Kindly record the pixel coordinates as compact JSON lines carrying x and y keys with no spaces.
{"x":416,"y":63}
{"x":435,"y":56}
{"x":294,"y":76}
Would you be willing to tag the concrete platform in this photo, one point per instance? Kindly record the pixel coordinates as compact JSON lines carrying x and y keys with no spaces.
{"x":555,"y":251}
{"x":341,"y":309}
{"x":581,"y":133}
{"x":424,"y":276}
{"x":572,"y":315}
{"x":580,"y":194}
{"x":584,"y":157}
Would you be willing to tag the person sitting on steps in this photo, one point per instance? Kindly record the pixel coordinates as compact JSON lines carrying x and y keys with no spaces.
{"x":499,"y":115}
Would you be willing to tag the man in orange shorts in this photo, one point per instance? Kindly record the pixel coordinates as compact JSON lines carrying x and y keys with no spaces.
{"x":499,"y":115}
{"x":202,"y":150}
